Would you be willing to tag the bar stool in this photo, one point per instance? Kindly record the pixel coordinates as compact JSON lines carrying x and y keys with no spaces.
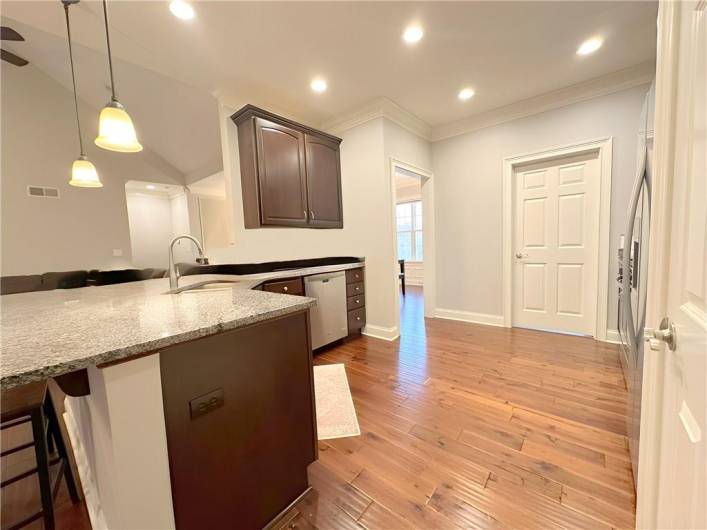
{"x":32,"y":403}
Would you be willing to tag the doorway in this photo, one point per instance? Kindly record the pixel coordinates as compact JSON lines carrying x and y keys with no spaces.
{"x":556,"y":233}
{"x":413,"y":229}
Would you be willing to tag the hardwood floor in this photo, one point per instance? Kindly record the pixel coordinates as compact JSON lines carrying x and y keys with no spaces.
{"x":469,"y":426}
{"x":474,"y":426}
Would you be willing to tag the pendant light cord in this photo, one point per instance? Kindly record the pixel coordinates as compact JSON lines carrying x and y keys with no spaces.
{"x":73,"y":77}
{"x":110,"y":59}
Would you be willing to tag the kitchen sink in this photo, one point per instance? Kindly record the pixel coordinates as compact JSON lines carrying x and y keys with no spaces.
{"x":205,"y":286}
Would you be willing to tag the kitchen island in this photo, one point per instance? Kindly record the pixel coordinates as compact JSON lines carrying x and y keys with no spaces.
{"x":200,"y":411}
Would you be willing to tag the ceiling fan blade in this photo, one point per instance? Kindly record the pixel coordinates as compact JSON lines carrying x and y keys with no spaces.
{"x":7,"y":33}
{"x":12,"y":58}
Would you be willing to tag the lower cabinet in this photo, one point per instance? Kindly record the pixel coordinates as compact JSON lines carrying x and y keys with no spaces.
{"x":355,"y":300}
{"x":240,"y":420}
{"x":293,"y":286}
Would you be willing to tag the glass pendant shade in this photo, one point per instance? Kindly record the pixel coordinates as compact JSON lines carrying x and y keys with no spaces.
{"x":83,"y":174}
{"x":116,"y":131}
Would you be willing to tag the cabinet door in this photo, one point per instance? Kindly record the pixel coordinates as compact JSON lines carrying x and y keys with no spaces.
{"x":281,"y":174}
{"x":240,"y":422}
{"x":323,"y":182}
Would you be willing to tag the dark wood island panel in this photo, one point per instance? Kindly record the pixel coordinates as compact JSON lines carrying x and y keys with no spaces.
{"x":240,"y":420}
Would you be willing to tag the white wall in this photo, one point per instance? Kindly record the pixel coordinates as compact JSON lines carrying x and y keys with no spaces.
{"x":468,"y":189}
{"x":155,"y":219}
{"x":213,"y":216}
{"x":150,"y":221}
{"x":39,"y":144}
{"x":408,"y":193}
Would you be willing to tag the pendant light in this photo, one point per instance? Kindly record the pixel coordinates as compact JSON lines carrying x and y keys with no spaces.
{"x":115,"y":128}
{"x":83,"y":172}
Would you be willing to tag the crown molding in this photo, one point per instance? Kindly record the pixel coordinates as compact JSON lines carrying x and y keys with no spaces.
{"x":599,"y":86}
{"x":381,"y":107}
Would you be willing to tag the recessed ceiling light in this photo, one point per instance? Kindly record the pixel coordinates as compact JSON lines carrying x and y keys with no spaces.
{"x":413,"y":34}
{"x":318,"y":85}
{"x":151,"y":187}
{"x":590,"y":46}
{"x":465,"y":93}
{"x":181,"y":9}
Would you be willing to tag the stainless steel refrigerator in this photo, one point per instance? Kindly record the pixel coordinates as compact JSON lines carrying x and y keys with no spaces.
{"x":632,"y":278}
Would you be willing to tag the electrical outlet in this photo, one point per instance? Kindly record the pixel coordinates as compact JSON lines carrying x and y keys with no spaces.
{"x":117,"y":252}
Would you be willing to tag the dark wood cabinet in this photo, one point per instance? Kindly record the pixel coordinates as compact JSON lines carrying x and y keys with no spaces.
{"x":290,"y":173}
{"x":282,"y":174}
{"x":293,"y":286}
{"x":323,"y":182}
{"x":355,"y":300}
{"x":240,"y":421}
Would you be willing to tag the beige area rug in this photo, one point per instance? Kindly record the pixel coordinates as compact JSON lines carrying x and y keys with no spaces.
{"x":336,"y":415}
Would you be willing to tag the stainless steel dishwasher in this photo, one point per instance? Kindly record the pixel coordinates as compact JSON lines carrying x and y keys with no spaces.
{"x":328,"y":317}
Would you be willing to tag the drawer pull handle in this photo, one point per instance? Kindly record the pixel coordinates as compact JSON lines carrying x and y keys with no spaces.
{"x":358,"y":318}
{"x":358,"y":288}
{"x":285,"y":288}
{"x":358,"y":301}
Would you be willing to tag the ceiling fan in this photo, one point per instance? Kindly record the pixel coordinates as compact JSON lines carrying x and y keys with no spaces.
{"x":7,"y":33}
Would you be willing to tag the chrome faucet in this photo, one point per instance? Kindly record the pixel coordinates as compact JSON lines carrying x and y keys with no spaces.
{"x":173,"y":270}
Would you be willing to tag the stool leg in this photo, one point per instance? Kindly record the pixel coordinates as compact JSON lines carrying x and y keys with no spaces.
{"x":57,"y":435}
{"x":40,"y":449}
{"x":50,"y":444}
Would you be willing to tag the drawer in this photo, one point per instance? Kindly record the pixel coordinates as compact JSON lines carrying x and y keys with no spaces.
{"x":357,"y":319}
{"x":355,"y":302}
{"x":292,"y":286}
{"x":354,"y":275}
{"x":353,"y":289}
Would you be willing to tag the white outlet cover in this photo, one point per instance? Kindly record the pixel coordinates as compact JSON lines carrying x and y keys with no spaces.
{"x":117,"y":252}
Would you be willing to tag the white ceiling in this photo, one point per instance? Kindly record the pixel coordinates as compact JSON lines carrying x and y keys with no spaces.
{"x":269,"y":52}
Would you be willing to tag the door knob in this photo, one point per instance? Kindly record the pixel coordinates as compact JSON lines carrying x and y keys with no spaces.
{"x":665,"y":333}
{"x":520,"y":255}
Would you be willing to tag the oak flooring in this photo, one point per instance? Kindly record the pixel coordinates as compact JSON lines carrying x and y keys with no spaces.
{"x":462,"y":426}
{"x":470,"y":426}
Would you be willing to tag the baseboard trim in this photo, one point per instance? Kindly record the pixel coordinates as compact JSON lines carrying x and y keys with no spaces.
{"x":467,"y":316}
{"x":379,"y":332}
{"x":613,"y":336}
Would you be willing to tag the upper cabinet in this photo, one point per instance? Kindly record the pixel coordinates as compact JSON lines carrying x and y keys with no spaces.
{"x":290,"y":173}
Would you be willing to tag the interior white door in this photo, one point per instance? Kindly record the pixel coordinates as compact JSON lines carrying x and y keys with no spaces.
{"x":556,"y":216}
{"x":683,"y":461}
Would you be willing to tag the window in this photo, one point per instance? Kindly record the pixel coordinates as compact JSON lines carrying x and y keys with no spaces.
{"x":409,"y":217}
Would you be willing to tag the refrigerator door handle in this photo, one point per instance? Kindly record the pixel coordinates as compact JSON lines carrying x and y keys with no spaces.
{"x":641,"y":175}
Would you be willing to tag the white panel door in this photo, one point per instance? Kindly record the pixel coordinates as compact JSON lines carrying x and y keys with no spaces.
{"x":682,"y":499}
{"x":556,"y":210}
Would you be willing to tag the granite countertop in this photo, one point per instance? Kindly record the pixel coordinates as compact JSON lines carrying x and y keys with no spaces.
{"x":49,"y":333}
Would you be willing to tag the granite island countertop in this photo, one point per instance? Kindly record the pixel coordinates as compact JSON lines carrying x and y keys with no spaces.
{"x":49,"y":333}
